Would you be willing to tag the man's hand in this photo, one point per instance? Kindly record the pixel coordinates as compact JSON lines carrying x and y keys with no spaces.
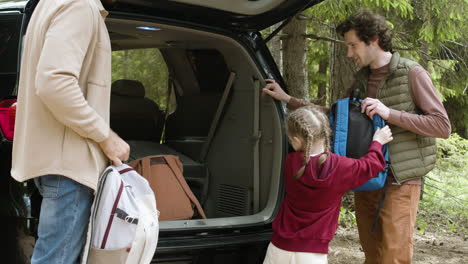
{"x":373,"y":106}
{"x":115,"y":148}
{"x":274,"y":90}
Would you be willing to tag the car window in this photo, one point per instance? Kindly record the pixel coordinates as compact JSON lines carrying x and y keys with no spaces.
{"x":10,"y":27}
{"x":204,"y":62}
{"x":146,"y":66}
{"x":195,"y":111}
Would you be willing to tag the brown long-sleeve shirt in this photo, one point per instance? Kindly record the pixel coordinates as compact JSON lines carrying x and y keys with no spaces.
{"x":433,"y":120}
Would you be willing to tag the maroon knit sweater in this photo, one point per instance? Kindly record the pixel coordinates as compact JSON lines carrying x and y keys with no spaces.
{"x":308,"y":217}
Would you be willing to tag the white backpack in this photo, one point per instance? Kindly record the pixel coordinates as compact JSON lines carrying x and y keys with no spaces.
{"x":124,"y":225}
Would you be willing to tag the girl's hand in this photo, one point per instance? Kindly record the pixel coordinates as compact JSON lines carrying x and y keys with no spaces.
{"x":383,"y":136}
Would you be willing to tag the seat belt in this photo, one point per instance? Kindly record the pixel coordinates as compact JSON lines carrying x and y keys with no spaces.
{"x":217,"y":116}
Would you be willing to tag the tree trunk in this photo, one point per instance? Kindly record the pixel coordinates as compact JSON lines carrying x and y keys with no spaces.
{"x":424,"y":54}
{"x":322,"y":86}
{"x":275,"y":48}
{"x":294,"y":58}
{"x":458,"y":118}
{"x":342,"y":70}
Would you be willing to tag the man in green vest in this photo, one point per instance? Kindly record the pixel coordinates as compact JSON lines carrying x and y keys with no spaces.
{"x":402,"y":93}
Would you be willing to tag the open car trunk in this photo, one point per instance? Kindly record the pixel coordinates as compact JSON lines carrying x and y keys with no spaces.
{"x":196,"y":94}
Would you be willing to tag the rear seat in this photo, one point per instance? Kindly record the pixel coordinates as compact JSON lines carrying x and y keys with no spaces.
{"x":132,"y":115}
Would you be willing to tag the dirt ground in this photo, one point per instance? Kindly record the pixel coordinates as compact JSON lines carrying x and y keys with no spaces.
{"x":429,"y":248}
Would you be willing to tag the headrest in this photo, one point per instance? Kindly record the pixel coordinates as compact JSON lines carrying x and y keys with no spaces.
{"x":128,"y":88}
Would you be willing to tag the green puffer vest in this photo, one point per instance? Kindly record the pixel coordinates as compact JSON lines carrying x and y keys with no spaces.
{"x":411,"y":155}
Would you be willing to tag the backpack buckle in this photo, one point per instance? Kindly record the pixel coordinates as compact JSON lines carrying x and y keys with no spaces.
{"x":131,"y":220}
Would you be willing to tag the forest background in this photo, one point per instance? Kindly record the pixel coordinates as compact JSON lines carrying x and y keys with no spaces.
{"x":313,"y":62}
{"x":314,"y":65}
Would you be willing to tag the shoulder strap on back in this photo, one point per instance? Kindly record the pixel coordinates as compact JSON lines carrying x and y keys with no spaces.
{"x":379,"y":122}
{"x":341,"y":127}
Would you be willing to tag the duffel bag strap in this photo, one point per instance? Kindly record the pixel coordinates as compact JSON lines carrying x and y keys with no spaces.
{"x":172,"y":164}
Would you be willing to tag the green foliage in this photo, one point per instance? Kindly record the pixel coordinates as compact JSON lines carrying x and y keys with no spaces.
{"x":146,"y":66}
{"x":317,"y":54}
{"x":445,"y":199}
{"x":456,"y":107}
{"x":441,"y":19}
{"x":347,"y":217}
{"x":452,"y":151}
{"x":438,"y":73}
{"x":338,"y":10}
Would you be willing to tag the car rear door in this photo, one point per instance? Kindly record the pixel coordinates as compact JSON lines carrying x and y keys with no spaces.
{"x":236,"y":15}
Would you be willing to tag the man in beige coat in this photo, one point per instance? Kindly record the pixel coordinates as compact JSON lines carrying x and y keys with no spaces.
{"x":62,"y":137}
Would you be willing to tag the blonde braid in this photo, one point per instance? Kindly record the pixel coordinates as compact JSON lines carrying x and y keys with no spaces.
{"x":306,"y":156}
{"x":311,"y":124}
{"x":325,"y":133}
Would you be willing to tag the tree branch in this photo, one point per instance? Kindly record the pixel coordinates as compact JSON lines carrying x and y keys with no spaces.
{"x":404,"y":48}
{"x":317,"y":37}
{"x":313,"y":36}
{"x":316,"y":20}
{"x":457,"y":199}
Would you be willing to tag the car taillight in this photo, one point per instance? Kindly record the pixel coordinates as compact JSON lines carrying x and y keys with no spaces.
{"x":12,"y":115}
{"x":7,"y":117}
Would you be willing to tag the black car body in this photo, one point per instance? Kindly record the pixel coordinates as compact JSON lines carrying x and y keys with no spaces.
{"x":210,"y":112}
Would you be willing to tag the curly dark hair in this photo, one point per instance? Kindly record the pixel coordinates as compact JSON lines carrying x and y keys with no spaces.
{"x":368,"y":27}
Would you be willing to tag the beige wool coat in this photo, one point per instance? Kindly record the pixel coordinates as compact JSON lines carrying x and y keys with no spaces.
{"x":64,"y":93}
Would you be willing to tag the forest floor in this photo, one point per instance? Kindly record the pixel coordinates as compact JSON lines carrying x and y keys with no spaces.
{"x":429,"y":248}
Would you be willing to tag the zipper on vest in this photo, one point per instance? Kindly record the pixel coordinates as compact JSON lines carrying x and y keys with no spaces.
{"x":397,"y":182}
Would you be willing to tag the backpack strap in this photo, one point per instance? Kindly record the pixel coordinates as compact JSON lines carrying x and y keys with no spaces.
{"x":379,"y":207}
{"x":379,"y":122}
{"x":119,"y":213}
{"x":340,"y":121}
{"x":171,"y":162}
{"x":145,"y":166}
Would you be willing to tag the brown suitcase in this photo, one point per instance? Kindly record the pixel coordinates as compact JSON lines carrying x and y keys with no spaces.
{"x":174,"y":199}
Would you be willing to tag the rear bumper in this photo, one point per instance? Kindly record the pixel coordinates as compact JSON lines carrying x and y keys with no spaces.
{"x":248,"y":248}
{"x":199,"y":242}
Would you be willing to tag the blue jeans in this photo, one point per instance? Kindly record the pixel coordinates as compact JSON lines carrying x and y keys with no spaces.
{"x":63,"y":221}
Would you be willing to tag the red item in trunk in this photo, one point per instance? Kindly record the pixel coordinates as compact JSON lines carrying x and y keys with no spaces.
{"x":7,"y":117}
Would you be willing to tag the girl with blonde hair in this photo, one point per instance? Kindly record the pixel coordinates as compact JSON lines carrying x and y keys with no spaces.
{"x":315,"y":181}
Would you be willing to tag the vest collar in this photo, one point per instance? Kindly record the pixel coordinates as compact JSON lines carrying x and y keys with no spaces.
{"x":394,"y":62}
{"x":392,"y":65}
{"x":363,"y":74}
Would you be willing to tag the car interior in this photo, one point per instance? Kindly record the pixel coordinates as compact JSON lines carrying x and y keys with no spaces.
{"x":197,"y":94}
